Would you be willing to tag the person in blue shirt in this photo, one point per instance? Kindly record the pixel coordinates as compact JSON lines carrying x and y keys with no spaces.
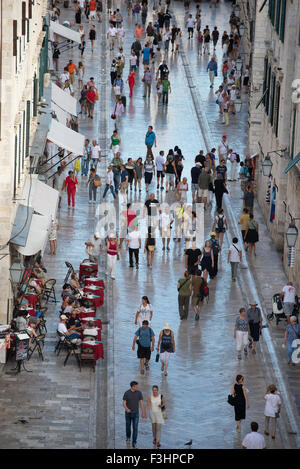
{"x":146,"y":55}
{"x":123,"y":178}
{"x":119,"y":82}
{"x":150,"y":140}
{"x":292,"y":332}
{"x":212,"y":68}
{"x":146,"y":340}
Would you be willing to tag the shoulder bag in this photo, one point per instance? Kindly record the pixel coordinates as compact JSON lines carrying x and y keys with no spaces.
{"x":163,"y":409}
{"x":178,"y":289}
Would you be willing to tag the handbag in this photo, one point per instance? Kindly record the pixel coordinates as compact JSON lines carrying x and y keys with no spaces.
{"x":157,"y":358}
{"x":163,"y":410}
{"x":96,"y":96}
{"x":97,"y":182}
{"x":231,"y":399}
{"x":77,"y":166}
{"x":117,"y":90}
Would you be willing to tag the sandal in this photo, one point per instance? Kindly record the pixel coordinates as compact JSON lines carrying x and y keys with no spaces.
{"x":158,"y":444}
{"x":142,"y":372}
{"x":166,"y":373}
{"x":253,"y":351}
{"x":154,"y":441}
{"x":162,"y":367}
{"x":239,"y":356}
{"x":245,"y":351}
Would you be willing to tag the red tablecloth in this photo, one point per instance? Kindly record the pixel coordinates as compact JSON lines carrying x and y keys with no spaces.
{"x":98,"y":282}
{"x":97,"y":300}
{"x":97,"y":322}
{"x":31,"y":298}
{"x":86,"y":314}
{"x":83,"y":267}
{"x":98,"y":347}
{"x":98,"y":291}
{"x":30,"y":310}
{"x":98,"y":337}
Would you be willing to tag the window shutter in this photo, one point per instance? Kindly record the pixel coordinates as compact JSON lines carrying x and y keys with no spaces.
{"x":282,"y":20}
{"x":276,"y":109}
{"x":19,"y":154}
{"x":293,"y":132}
{"x":23,"y":138}
{"x":278,"y":8}
{"x":265,"y":78}
{"x":35,"y":95}
{"x":27,"y":128}
{"x":268,"y":92}
{"x":15,"y":166}
{"x":272,"y":96}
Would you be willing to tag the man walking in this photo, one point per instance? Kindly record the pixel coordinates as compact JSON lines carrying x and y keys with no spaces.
{"x":86,"y":158}
{"x":254,"y":440}
{"x":215,"y":36}
{"x":146,"y":340}
{"x":288,"y":294}
{"x":95,"y":154}
{"x":117,"y":162}
{"x":159,"y":162}
{"x":59,"y":183}
{"x":195,"y":173}
{"x":254,"y":319}
{"x":184,"y":293}
{"x":94,"y":247}
{"x":249,"y":198}
{"x":203,"y":182}
{"x":136,"y":48}
{"x":190,"y":23}
{"x":134,"y":243}
{"x":212,"y":68}
{"x":131,"y":401}
{"x":215,"y":246}
{"x":234,"y":257}
{"x":109,"y":183}
{"x":147,"y":80}
{"x":150,"y":140}
{"x":166,"y":89}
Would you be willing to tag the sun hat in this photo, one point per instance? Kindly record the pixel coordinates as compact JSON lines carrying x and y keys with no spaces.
{"x":63,"y":317}
{"x":198,"y":164}
{"x":212,"y":233}
{"x":97,"y":234}
{"x":167,"y":326}
{"x":253,"y":302}
{"x":293,"y":318}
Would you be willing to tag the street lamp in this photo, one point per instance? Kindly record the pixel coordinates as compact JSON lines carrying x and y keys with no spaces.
{"x":242,"y":29}
{"x":16,"y":271}
{"x":267,"y":166}
{"x":291,"y":234}
{"x":239,"y":64}
{"x":238,"y":104}
{"x":236,"y":9}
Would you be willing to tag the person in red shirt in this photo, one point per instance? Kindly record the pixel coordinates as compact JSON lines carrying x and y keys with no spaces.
{"x":92,"y":9}
{"x":131,"y":81}
{"x":70,"y":187}
{"x":91,"y":97}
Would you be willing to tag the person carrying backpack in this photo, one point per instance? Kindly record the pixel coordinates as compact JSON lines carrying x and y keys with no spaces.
{"x":214,"y":244}
{"x":220,"y":226}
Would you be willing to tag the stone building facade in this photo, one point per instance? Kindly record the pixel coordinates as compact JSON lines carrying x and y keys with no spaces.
{"x":274,"y":122}
{"x":23,"y":63}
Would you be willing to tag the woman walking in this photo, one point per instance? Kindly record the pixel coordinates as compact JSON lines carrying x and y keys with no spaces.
{"x":241,"y":400}
{"x":115,"y":142}
{"x":292,"y":332}
{"x":220,"y":226}
{"x":207,"y":260}
{"x":93,"y":186}
{"x":150,"y":248}
{"x":83,"y":100}
{"x":112,"y":253}
{"x":272,"y":409}
{"x":119,"y":110}
{"x":55,"y":225}
{"x":220,"y":190}
{"x":156,"y":402}
{"x":241,"y":331}
{"x":80,"y":71}
{"x":149,"y":171}
{"x":165,"y":346}
{"x":70,"y":187}
{"x":130,"y":168}
{"x":159,"y":90}
{"x":139,"y":169}
{"x":145,"y":312}
{"x":92,"y":36}
{"x":251,"y":235}
{"x":131,"y":81}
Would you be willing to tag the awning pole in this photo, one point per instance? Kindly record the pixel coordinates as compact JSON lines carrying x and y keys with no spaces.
{"x":50,"y":159}
{"x":57,"y":163}
{"x":65,"y":167}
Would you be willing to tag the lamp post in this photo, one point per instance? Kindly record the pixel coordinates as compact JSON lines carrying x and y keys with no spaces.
{"x":291,"y":234}
{"x":238,"y":104}
{"x":242,"y":29}
{"x":267,"y":166}
{"x":236,"y":9}
{"x":239,"y":64}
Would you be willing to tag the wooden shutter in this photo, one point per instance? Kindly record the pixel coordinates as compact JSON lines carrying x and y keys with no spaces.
{"x":282,"y":20}
{"x":268,"y":88}
{"x":265,"y":78}
{"x":35,"y":95}
{"x":15,"y":166}
{"x":272,"y":96}
{"x":28,"y":116}
{"x":276,"y":109}
{"x":23,"y":18}
{"x":30,"y":9}
{"x":15,"y":38}
{"x":277,"y":22}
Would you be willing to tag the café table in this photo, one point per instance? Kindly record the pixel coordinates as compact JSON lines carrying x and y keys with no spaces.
{"x":98,"y":282}
{"x":31,"y":298}
{"x":84,"y":265}
{"x":96,"y":345}
{"x":97,"y":321}
{"x":97,"y":300}
{"x":87,"y":314}
{"x":98,"y":291}
{"x":98,"y":336}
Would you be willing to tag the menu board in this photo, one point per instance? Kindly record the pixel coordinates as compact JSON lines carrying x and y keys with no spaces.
{"x":22,"y":347}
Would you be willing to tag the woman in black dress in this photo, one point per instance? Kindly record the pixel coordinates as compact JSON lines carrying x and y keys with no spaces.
{"x":220,"y":190}
{"x":241,"y":399}
{"x":251,"y":235}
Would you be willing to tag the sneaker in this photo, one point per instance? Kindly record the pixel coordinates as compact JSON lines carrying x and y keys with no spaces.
{"x":137,"y":266}
{"x":131,"y":266}
{"x":127,"y":443}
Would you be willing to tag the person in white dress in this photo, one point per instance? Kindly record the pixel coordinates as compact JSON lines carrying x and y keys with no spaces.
{"x":144,"y":312}
{"x":272,"y":409}
{"x":55,"y":225}
{"x":155,"y":402}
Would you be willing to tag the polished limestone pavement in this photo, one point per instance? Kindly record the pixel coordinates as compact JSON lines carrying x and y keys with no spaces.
{"x":87,"y":408}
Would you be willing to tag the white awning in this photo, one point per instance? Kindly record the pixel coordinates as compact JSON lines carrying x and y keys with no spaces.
{"x":41,"y":197}
{"x":68,"y":33}
{"x":61,"y":115}
{"x":37,"y":235}
{"x":63,"y":100}
{"x":66,"y":138}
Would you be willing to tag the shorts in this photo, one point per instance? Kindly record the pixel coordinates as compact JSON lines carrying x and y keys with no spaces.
{"x":288,"y":308}
{"x":115,"y":148}
{"x":148,"y":177}
{"x":244,"y":183}
{"x":196,"y":300}
{"x":190,"y":30}
{"x":160,"y":174}
{"x":170,"y":178}
{"x":195,"y":187}
{"x":144,"y":352}
{"x":146,"y":62}
{"x":93,"y":14}
{"x":203,"y":193}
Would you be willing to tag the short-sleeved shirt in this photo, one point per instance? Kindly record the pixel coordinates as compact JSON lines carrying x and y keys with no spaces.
{"x":289,"y":294}
{"x":133,"y":399}
{"x":152,"y":207}
{"x":21,"y":323}
{"x":71,"y":68}
{"x":95,"y":151}
{"x":249,"y":198}
{"x":166,"y":85}
{"x":221,"y":170}
{"x":146,"y":53}
{"x":196,"y":284}
{"x":159,"y":161}
{"x":95,"y":251}
{"x":244,"y":221}
{"x":148,"y":77}
{"x":234,"y":253}
{"x":272,"y":402}
{"x":254,"y":440}
{"x":193,"y":255}
{"x":241,"y":324}
{"x":145,"y":336}
{"x":185,"y":289}
{"x":195,"y":173}
{"x":150,"y":137}
{"x":253,"y":315}
{"x":292,"y":332}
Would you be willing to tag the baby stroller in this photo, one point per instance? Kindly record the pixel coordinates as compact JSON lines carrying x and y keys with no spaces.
{"x":277,"y":309}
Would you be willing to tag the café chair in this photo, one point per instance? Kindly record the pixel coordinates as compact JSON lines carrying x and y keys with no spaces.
{"x":49,"y":291}
{"x":69,"y":272}
{"x":88,"y":354}
{"x":38,"y":344}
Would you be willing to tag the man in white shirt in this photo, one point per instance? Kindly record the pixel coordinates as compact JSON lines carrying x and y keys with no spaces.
{"x":59,"y":183}
{"x":109,"y":183}
{"x":120,"y":35}
{"x":111,"y":35}
{"x":190,"y":22}
{"x":234,"y":257}
{"x":159,"y":162}
{"x":95,"y":154}
{"x":134,"y":243}
{"x":94,"y":247}
{"x":288,"y":294}
{"x":223,"y":148}
{"x":62,"y":329}
{"x":233,"y":162}
{"x":64,"y":76}
{"x":254,"y":440}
